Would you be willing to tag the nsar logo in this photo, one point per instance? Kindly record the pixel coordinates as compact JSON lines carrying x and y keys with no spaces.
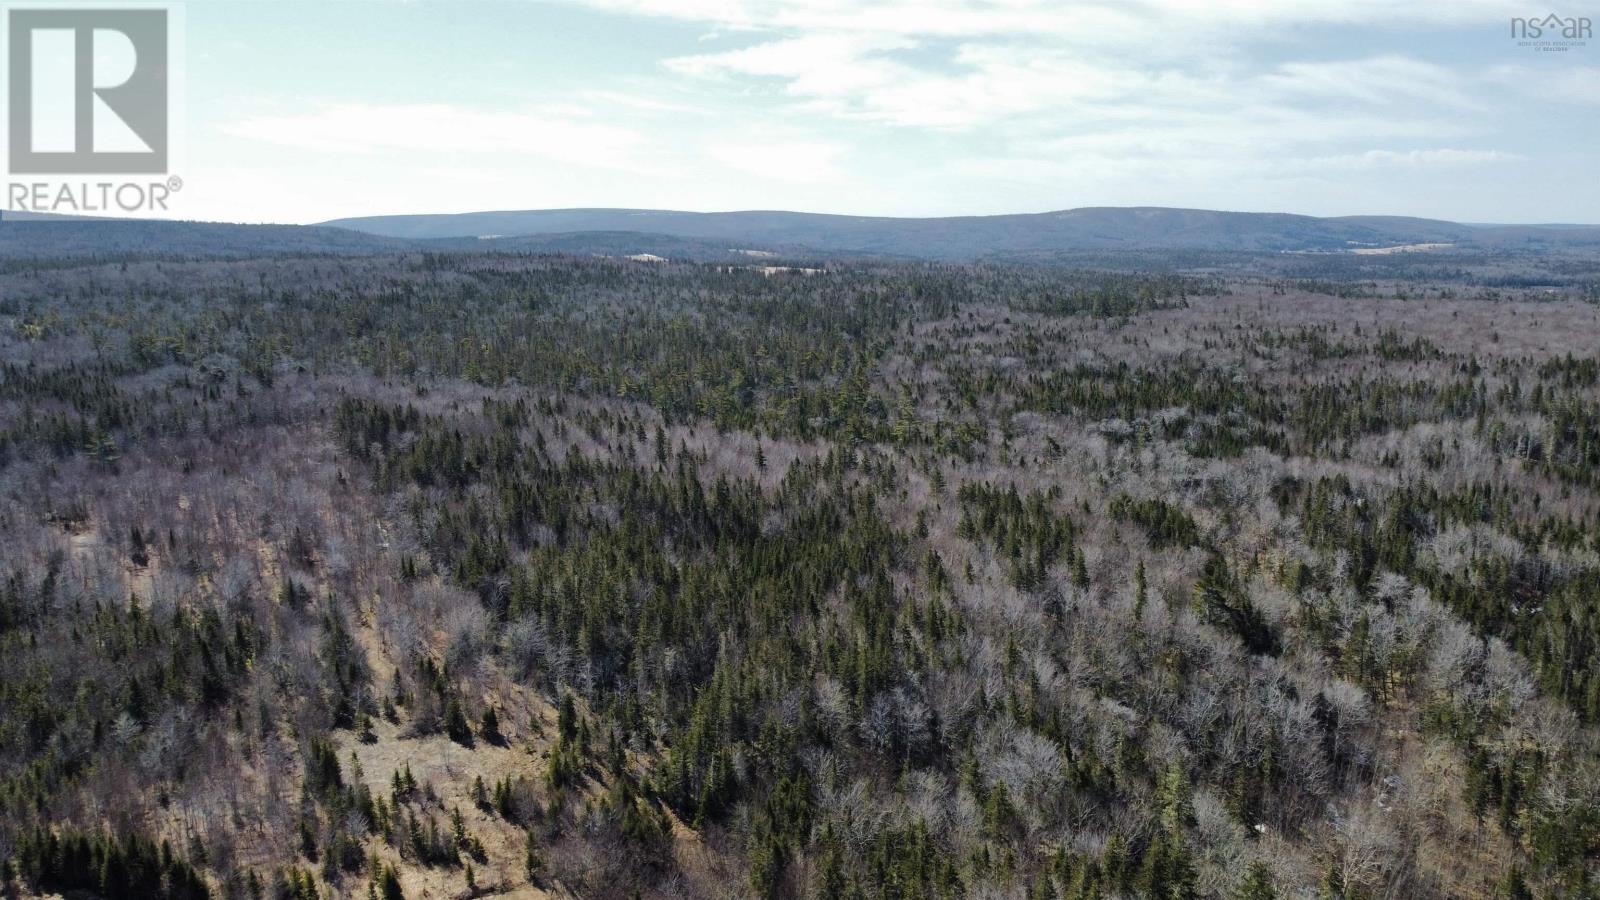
{"x":1553,"y":32}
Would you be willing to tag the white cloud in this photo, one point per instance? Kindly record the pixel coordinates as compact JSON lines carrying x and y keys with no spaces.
{"x":796,"y":160}
{"x":1142,"y":102}
{"x":1070,"y":18}
{"x":1554,"y":86}
{"x":1410,"y":159}
{"x":863,"y":79}
{"x":1031,"y":89}
{"x":818,"y":66}
{"x":1382,"y":80}
{"x":365,"y":129}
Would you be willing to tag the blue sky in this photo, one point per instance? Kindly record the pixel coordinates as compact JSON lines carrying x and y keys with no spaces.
{"x":300,"y":112}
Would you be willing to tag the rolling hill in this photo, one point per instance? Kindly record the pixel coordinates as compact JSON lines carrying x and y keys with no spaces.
{"x":741,"y":236}
{"x":964,"y":237}
{"x":40,"y":237}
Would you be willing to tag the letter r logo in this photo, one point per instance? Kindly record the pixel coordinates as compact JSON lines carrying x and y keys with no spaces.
{"x":88,"y":91}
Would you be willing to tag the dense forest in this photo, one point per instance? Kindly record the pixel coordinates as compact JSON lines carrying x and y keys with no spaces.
{"x":456,"y":574}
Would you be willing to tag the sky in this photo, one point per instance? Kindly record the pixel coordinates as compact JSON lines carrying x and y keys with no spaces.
{"x":302,"y":112}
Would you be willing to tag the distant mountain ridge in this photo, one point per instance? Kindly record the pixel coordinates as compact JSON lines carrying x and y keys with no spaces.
{"x":741,"y":237}
{"x":68,"y":236}
{"x":42,"y":236}
{"x":1016,"y":235}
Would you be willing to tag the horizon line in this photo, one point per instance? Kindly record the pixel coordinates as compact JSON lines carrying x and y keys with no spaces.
{"x":10,"y":214}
